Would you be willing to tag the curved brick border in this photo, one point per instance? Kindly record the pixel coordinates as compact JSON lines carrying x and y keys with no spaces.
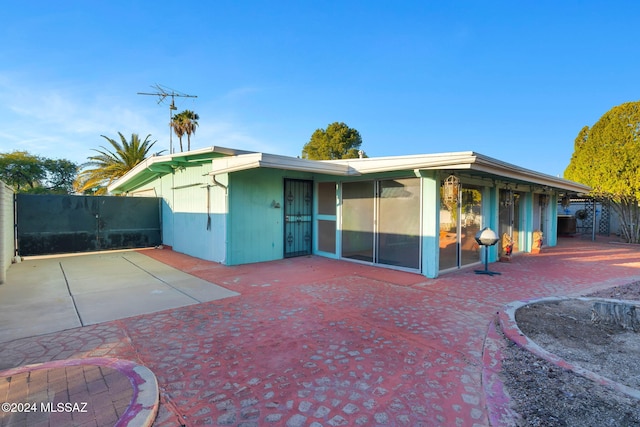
{"x":497,"y":398}
{"x":143,"y":407}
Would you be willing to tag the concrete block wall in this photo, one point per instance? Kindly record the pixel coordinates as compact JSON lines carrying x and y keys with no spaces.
{"x":6,"y":229}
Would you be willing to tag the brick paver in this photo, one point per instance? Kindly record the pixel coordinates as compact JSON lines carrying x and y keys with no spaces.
{"x":71,"y":395}
{"x":97,"y":392}
{"x":319,"y":342}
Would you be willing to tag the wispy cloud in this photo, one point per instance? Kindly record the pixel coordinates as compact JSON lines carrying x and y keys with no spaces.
{"x":62,"y":122}
{"x":240,"y":92}
{"x":66,"y":122}
{"x":229,"y":134}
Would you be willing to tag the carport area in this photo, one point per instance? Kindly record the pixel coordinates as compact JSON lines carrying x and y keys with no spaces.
{"x":55,"y":293}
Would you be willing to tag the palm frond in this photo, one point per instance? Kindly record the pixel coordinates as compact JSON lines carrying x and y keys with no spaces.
{"x":110,"y":164}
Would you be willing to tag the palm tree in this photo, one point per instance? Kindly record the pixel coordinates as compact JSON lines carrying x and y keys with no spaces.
{"x":185,"y":122}
{"x":107,"y":165}
{"x":178,"y":127}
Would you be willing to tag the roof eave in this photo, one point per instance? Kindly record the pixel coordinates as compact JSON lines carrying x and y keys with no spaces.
{"x":272,"y":161}
{"x":496,"y":167}
{"x":162,"y":165}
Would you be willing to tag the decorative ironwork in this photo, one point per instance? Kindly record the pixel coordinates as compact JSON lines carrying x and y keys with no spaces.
{"x":298,"y":215}
{"x":605,"y":215}
{"x":585,"y":217}
{"x":507,"y":197}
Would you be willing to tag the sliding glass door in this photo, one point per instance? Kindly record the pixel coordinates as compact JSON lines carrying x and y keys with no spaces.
{"x":357,"y":220}
{"x":509,"y":218}
{"x":460,"y":221}
{"x":398,"y":238}
{"x":381,"y":222}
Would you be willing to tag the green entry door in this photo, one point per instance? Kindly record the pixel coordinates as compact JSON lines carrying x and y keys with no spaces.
{"x":298,"y":208}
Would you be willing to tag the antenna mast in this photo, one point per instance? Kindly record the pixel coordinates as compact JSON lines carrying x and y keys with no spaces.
{"x":162,"y":93}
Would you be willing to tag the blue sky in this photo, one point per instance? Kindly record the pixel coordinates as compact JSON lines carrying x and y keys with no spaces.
{"x":515,"y":80}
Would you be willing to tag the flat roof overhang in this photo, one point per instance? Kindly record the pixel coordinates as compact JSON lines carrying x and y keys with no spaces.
{"x":155,"y":166}
{"x":470,"y":161}
{"x":273,"y":161}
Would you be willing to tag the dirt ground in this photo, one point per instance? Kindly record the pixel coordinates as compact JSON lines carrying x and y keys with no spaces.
{"x":546,"y":395}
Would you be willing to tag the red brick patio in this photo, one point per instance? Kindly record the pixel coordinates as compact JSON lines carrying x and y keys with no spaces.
{"x":319,"y":342}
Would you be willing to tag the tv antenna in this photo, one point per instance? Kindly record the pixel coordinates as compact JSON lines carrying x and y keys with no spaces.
{"x":163,"y":93}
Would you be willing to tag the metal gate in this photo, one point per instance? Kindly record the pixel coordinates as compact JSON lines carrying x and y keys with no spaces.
{"x":55,"y":224}
{"x":298,"y":208}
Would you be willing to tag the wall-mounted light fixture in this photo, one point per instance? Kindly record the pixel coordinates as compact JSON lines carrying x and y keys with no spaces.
{"x":451,"y":189}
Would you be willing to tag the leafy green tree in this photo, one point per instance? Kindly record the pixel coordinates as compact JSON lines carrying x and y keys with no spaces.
{"x":28,"y":173}
{"x":61,"y":174}
{"x":183,"y":123}
{"x":21,"y":170}
{"x":110,"y":164}
{"x":338,"y":141}
{"x":606,"y":157}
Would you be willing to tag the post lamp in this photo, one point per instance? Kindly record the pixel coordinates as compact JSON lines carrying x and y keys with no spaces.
{"x":486,"y":237}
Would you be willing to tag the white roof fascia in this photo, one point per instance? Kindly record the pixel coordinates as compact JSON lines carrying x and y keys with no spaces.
{"x":460,"y":160}
{"x":145,"y":164}
{"x":167,"y":158}
{"x":465,"y":160}
{"x":507,"y":170}
{"x":264,"y":160}
{"x":414,"y":161}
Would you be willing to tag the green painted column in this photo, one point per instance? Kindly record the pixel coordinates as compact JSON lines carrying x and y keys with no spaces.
{"x":430,"y":223}
{"x":527,"y":223}
{"x":490,"y":210}
{"x":552,"y":211}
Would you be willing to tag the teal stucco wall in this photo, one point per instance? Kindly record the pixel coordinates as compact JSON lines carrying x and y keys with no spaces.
{"x":255,"y":222}
{"x":194,"y":211}
{"x":240,"y":219}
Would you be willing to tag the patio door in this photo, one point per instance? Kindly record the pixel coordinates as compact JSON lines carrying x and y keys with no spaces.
{"x":509,"y":218}
{"x":381,"y":222}
{"x":358,"y":208}
{"x":398,"y":220}
{"x":460,"y":220}
{"x":298,"y":206}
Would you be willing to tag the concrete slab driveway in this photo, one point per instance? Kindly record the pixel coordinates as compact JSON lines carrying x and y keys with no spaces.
{"x":50,"y":294}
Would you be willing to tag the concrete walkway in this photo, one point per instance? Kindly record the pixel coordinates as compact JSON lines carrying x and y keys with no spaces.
{"x":49,"y":294}
{"x":318,"y":342}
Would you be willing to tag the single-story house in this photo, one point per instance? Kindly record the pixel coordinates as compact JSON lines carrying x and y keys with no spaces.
{"x":416,"y":212}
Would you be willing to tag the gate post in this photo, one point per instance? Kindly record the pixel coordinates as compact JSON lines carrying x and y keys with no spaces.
{"x":7,"y":227}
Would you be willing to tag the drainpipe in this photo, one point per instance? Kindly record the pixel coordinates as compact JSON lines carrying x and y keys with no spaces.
{"x":219,"y":184}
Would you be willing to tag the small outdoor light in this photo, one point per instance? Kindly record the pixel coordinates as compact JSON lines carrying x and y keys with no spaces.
{"x":486,"y":237}
{"x":451,"y":188}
